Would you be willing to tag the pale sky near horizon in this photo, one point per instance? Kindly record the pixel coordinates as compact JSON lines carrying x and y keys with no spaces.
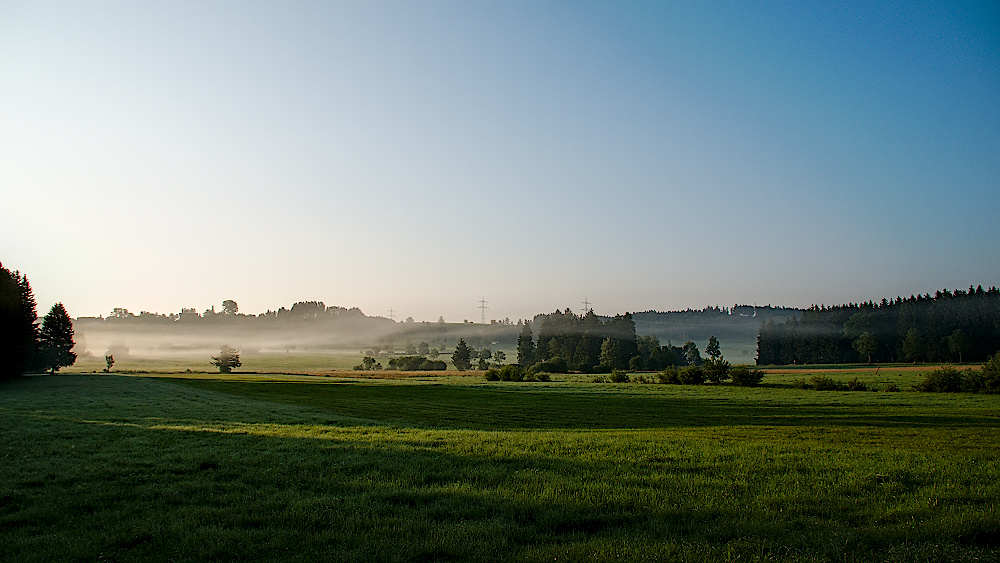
{"x":420,"y":156}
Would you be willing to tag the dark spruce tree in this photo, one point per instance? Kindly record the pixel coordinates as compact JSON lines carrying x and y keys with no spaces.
{"x":18,"y":333}
{"x":462,"y":357}
{"x":525,"y":346}
{"x":56,"y":340}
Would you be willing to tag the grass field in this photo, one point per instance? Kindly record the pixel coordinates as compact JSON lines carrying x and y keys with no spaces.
{"x":284,"y":362}
{"x":446,"y":467}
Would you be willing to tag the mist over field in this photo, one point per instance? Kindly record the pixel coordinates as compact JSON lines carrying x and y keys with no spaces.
{"x":314,"y":328}
{"x":306,"y":326}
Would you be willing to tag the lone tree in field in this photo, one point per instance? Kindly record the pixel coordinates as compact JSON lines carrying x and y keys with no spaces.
{"x":462,"y":357}
{"x":56,"y":340}
{"x":227,"y":359}
{"x":110,"y":360}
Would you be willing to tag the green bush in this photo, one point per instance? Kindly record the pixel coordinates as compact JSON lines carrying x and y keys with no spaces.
{"x":511,"y":372}
{"x":553,"y":365}
{"x":945,"y":379}
{"x":669,"y":376}
{"x":743,"y":376}
{"x":948,"y":379}
{"x":990,"y":374}
{"x":716,"y":370}
{"x":416,"y":363}
{"x":692,"y":375}
{"x":855,"y":385}
{"x":823,"y":383}
{"x":892,"y":388}
{"x":619,"y":376}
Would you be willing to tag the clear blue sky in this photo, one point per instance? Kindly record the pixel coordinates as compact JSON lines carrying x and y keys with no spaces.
{"x":422,"y":155}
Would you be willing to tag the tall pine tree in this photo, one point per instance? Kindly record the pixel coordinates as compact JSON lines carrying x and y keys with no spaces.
{"x":525,"y":346}
{"x":462,"y":357}
{"x":56,"y":340}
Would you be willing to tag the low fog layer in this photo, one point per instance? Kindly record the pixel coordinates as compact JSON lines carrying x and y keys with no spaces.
{"x":314,"y":327}
{"x":307,"y":326}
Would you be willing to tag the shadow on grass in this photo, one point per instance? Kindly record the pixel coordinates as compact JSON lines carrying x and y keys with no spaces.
{"x":485,"y":408}
{"x":129,"y":469}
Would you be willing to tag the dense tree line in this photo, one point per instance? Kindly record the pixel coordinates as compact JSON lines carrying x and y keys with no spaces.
{"x":588,"y":343}
{"x":24,"y":345}
{"x":736,"y":324}
{"x":229,"y":314}
{"x":960,"y":325}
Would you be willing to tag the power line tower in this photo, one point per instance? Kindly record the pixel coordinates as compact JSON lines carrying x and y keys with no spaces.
{"x":586,"y":306}
{"x":482,"y":307}
{"x":391,"y":318}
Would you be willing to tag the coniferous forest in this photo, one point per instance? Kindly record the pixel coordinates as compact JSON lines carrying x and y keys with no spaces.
{"x":26,"y":345}
{"x":950,"y":326}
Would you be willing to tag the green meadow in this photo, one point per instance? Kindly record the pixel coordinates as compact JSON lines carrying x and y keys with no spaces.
{"x":191,"y":467}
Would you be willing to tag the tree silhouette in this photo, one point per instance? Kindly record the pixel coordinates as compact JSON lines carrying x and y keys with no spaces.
{"x":712,"y":349}
{"x":462,"y":357}
{"x":865,"y":344}
{"x":914,"y":346}
{"x":56,"y":339}
{"x":958,"y":343}
{"x":227,"y":359}
{"x":525,"y":346}
{"x":18,"y":334}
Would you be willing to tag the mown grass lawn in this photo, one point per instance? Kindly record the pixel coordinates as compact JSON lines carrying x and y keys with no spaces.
{"x":303,"y":468}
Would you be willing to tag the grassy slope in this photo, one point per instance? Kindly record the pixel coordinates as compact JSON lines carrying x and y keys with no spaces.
{"x":126,"y":468}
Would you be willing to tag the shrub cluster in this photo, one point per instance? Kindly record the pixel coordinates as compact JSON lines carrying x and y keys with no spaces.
{"x":417,"y":363}
{"x":619,"y":376}
{"x":514,"y":372}
{"x":824,"y":383}
{"x":689,"y":375}
{"x":714,"y":371}
{"x":743,"y":376}
{"x":948,"y":379}
{"x":552,"y":365}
